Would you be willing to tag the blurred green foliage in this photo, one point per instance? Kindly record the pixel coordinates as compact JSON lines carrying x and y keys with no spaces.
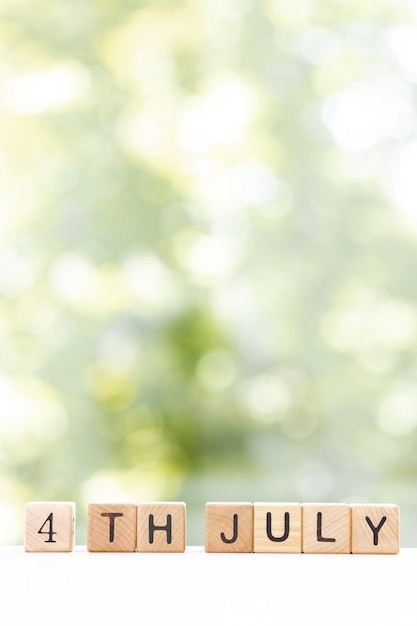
{"x":208,"y":234}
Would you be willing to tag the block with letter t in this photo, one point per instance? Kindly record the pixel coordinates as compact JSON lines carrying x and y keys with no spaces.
{"x":111,"y":528}
{"x":229,"y":527}
{"x":161,"y":527}
{"x":49,"y":526}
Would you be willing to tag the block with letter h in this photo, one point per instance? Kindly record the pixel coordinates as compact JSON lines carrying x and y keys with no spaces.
{"x":161,"y":527}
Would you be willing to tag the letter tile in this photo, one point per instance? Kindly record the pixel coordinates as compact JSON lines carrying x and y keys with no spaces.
{"x":229,"y":527}
{"x":49,"y":526}
{"x":161,"y":527}
{"x":111,"y":528}
{"x":278,"y":527}
{"x":375,"y":529}
{"x":327,"y":528}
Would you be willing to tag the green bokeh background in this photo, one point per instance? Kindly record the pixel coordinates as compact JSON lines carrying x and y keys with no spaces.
{"x":207,"y":254}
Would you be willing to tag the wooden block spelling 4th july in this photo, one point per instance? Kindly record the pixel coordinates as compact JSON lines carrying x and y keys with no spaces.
{"x":268,"y":527}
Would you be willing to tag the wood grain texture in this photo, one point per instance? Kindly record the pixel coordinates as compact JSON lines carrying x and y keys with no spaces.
{"x":375,"y":529}
{"x":229,"y":527}
{"x":277,"y":527}
{"x":161,"y":527}
{"x":49,"y":526}
{"x":327,"y":528}
{"x":111,"y":528}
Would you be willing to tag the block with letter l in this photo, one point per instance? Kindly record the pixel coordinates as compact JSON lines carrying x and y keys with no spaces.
{"x":161,"y":527}
{"x":327,"y":528}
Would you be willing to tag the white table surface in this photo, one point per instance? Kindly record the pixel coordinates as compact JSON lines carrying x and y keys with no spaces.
{"x":196,"y":589}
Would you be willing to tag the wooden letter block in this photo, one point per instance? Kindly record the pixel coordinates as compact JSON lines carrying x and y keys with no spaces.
{"x":278,"y":527}
{"x":49,"y":526}
{"x":327,"y":528}
{"x":161,"y":527}
{"x":375,"y":529}
{"x":111,"y":528}
{"x":229,"y":527}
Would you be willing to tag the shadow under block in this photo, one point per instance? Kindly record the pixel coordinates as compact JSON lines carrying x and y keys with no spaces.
{"x":161,"y":527}
{"x":375,"y":529}
{"x":49,"y":526}
{"x":277,"y":527}
{"x":229,"y":527}
{"x":327,"y":528}
{"x":111,"y":528}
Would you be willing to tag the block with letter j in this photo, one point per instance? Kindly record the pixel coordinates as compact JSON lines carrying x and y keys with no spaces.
{"x":229,"y":527}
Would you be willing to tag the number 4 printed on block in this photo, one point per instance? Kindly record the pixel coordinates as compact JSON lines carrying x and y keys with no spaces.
{"x":49,"y":520}
{"x":49,"y":526}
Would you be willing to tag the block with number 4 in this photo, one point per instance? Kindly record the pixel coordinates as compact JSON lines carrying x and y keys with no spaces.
{"x":49,"y":526}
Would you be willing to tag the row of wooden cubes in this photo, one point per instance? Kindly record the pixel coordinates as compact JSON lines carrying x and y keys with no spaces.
{"x":230,"y":527}
{"x":309,"y":528}
{"x":145,"y":527}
